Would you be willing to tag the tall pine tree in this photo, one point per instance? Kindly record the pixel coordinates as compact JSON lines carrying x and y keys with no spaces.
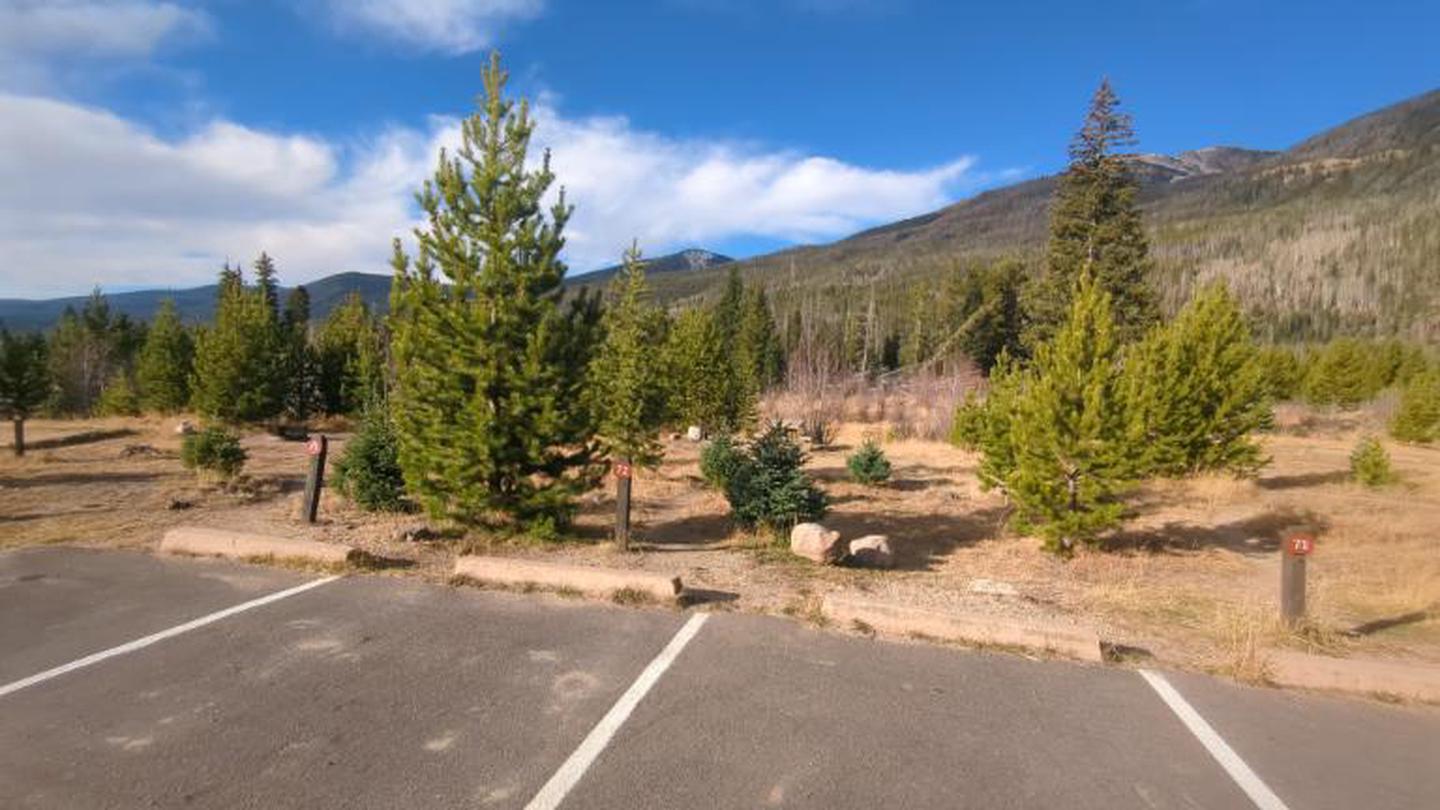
{"x":1095,"y":228}
{"x":163,"y":372}
{"x":239,"y":357}
{"x":491,"y":369}
{"x":1072,"y":460}
{"x":700,"y":374}
{"x":627,"y":379}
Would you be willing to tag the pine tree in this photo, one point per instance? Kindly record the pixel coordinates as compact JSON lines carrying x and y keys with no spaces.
{"x":268,"y":284}
{"x":24,"y":380}
{"x":729,"y":311}
{"x":348,"y":355}
{"x":699,"y":372}
{"x":86,"y":350}
{"x":1067,"y":429}
{"x":1283,"y":371}
{"x":757,"y":345}
{"x":491,"y":369}
{"x":1196,"y":391}
{"x":1418,"y":417}
{"x":1095,"y":228}
{"x":119,"y":397}
{"x":992,"y":320}
{"x":166,"y":361}
{"x":627,"y":379}
{"x":238,"y":359}
{"x":299,"y":366}
{"x":1341,"y":375}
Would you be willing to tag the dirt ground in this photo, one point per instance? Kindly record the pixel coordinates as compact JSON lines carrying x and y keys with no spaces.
{"x":1192,"y":581}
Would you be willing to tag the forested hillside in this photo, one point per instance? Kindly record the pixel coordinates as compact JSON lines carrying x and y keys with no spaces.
{"x":1339,"y":234}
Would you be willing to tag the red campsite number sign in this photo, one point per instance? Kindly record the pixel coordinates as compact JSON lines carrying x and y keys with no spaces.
{"x":1300,"y":545}
{"x":622,"y":470}
{"x":312,"y":447}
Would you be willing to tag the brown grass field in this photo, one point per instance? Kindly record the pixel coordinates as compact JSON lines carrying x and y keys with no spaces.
{"x":1192,"y":580}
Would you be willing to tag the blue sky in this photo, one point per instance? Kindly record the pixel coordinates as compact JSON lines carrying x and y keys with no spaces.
{"x":144,"y":141}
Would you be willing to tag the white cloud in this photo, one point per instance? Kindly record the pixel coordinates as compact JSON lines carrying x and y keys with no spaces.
{"x":35,"y":35}
{"x":671,"y":193}
{"x":87,"y":197}
{"x":448,"y":26}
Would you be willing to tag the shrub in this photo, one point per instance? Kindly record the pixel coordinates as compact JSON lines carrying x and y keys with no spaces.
{"x":1418,"y":419}
{"x":1370,"y":464}
{"x":718,"y":461}
{"x":213,"y":450}
{"x":368,"y":472}
{"x":770,"y":487}
{"x":868,"y":465}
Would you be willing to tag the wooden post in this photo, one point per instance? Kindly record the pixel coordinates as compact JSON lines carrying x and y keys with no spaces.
{"x":19,"y":437}
{"x":622,"y":504}
{"x":1297,"y":545}
{"x":317,"y":448}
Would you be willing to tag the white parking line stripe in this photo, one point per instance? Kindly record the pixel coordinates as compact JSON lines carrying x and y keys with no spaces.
{"x":1257,"y":790}
{"x":564,"y":779}
{"x":141,"y":643}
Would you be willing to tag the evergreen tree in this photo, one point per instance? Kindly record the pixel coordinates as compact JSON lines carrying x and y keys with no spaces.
{"x":627,"y":379}
{"x":1418,"y":417}
{"x":268,"y":284}
{"x":299,"y":371}
{"x":1283,"y":371}
{"x":86,"y":350}
{"x":986,"y":425}
{"x":166,"y":360}
{"x":1341,"y":375}
{"x":730,"y":311}
{"x":119,"y":397}
{"x":700,"y":374}
{"x":757,"y":345}
{"x":1095,"y":228}
{"x":345,"y":349}
{"x":239,"y":358}
{"x":992,"y":319}
{"x":1196,"y":391}
{"x":24,"y":380}
{"x":769,"y":486}
{"x":488,"y":401}
{"x":1067,"y":429}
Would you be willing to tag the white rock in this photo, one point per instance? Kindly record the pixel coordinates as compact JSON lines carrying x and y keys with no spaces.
{"x":991,"y":587}
{"x":184,"y":428}
{"x":816,"y":543}
{"x":872,"y":551}
{"x":694,"y":433}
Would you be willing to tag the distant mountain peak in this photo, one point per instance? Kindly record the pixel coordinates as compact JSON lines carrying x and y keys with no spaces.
{"x":1200,"y":162}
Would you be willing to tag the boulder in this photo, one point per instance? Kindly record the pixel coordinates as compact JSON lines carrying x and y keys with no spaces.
{"x":694,"y":433}
{"x":872,"y":551}
{"x":185,"y":428}
{"x":816,"y":543}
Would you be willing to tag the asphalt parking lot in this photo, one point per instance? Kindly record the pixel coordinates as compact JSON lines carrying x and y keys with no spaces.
{"x":128,"y":680}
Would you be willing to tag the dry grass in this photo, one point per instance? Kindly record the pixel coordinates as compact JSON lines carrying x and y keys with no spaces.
{"x":1193,"y":579}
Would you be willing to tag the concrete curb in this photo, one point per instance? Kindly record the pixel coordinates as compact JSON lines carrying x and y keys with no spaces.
{"x":602,"y":582}
{"x":243,"y":546}
{"x":1074,"y":642}
{"x":1359,"y":675}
